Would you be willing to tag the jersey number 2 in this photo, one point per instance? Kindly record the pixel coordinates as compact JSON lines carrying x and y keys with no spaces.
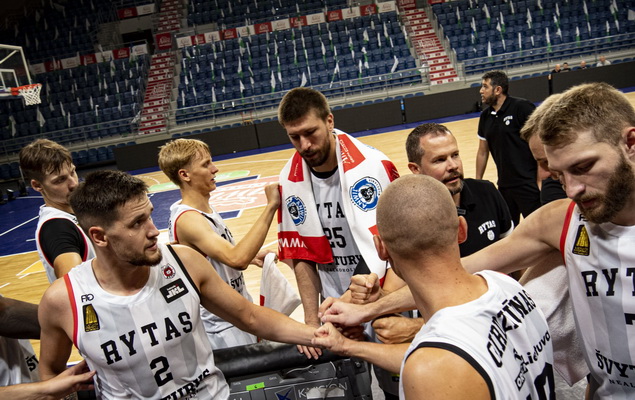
{"x":163,"y":366}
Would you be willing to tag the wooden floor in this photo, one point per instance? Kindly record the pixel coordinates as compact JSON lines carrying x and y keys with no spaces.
{"x":21,"y":277}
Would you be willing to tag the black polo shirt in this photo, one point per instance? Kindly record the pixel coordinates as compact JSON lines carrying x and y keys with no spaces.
{"x":486,"y":213}
{"x":514,"y":162}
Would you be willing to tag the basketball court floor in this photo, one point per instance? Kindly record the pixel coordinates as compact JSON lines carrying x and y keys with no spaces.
{"x":239,"y":197}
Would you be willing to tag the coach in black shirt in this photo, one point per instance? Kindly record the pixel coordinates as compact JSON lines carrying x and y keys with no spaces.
{"x":499,"y":130}
{"x":432,"y":150}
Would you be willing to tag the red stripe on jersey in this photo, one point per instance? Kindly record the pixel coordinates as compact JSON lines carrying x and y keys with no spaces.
{"x":71,"y":297}
{"x":176,"y":237}
{"x":565,"y":229}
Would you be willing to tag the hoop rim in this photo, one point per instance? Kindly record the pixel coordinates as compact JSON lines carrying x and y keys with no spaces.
{"x":16,"y":90}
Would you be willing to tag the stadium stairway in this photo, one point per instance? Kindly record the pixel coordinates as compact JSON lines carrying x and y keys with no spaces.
{"x":156,"y":102}
{"x":431,"y":54}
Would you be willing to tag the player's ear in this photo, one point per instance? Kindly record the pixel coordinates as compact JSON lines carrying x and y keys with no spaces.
{"x":382,"y":252}
{"x":98,"y":236}
{"x":36,"y":185}
{"x":184,"y":175}
{"x":414,"y":168}
{"x":462,"y":235}
{"x":629,"y":141}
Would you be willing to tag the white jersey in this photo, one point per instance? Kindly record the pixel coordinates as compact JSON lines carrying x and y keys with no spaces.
{"x":147,"y":345}
{"x":600,"y":260}
{"x":335,"y":277}
{"x":502,"y":334}
{"x":46,"y":214}
{"x":233,"y":277}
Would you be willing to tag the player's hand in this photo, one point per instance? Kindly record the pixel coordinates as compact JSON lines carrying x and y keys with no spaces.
{"x":397,"y":329}
{"x":342,"y":313}
{"x":75,"y":378}
{"x":308,"y":351}
{"x":259,"y":260}
{"x":273,"y":195}
{"x":328,"y":337}
{"x":364,"y":288}
{"x":353,"y":332}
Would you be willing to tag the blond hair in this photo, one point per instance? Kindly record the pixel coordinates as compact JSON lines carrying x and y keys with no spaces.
{"x":179,"y":153}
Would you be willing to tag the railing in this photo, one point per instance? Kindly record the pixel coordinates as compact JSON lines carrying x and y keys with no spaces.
{"x":561,"y":52}
{"x":369,"y":87}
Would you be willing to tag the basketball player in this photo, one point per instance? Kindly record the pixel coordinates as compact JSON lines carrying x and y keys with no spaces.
{"x":547,"y":281}
{"x":133,"y":310}
{"x":484,"y":337}
{"x":75,"y":378}
{"x":61,"y":244}
{"x":195,"y":223}
{"x":329,"y":192}
{"x":589,"y":139}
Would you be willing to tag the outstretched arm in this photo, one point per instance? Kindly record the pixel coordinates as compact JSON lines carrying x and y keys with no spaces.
{"x":225,"y":302}
{"x":538,"y":235}
{"x":75,"y":378}
{"x":194,"y":231}
{"x":18,"y":319}
{"x":386,"y":356}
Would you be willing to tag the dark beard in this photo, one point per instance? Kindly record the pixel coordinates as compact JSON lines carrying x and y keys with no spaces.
{"x":323,"y":156}
{"x":619,"y":189}
{"x":145,"y":261}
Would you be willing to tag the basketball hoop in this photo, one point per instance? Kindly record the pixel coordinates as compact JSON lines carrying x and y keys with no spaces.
{"x":30,"y":93}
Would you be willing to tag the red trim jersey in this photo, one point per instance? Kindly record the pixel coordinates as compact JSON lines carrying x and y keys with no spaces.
{"x":600,"y":260}
{"x":147,"y":345}
{"x":214,"y":324}
{"x":77,"y":240}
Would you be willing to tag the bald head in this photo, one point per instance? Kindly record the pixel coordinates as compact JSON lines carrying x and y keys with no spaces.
{"x":416,"y":215}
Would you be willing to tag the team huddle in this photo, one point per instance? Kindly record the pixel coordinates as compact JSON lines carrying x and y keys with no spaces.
{"x":365,"y":245}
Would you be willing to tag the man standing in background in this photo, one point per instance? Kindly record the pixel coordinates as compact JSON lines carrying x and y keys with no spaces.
{"x":499,"y":133}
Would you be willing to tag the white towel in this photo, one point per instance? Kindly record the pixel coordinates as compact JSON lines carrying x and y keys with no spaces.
{"x":275,"y":290}
{"x":364,"y":173}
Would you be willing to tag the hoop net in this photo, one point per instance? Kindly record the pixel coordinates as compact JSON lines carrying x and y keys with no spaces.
{"x":30,"y":93}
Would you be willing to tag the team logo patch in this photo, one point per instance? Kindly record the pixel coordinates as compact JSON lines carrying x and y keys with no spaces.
{"x":91,"y":321}
{"x":581,"y":246}
{"x":168,"y":271}
{"x":297,"y":209}
{"x":365,"y":193}
{"x":174,"y":290}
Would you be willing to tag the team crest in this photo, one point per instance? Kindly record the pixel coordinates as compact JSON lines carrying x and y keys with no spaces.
{"x":582,"y":245}
{"x":91,"y":321}
{"x":297,"y":209}
{"x":365,"y":193}
{"x":168,"y":271}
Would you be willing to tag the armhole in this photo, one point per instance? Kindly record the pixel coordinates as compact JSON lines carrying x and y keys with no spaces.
{"x":187,"y":274}
{"x":565,"y":229}
{"x":86,"y":244}
{"x":176,"y":237}
{"x":71,"y":297}
{"x":464,"y":355}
